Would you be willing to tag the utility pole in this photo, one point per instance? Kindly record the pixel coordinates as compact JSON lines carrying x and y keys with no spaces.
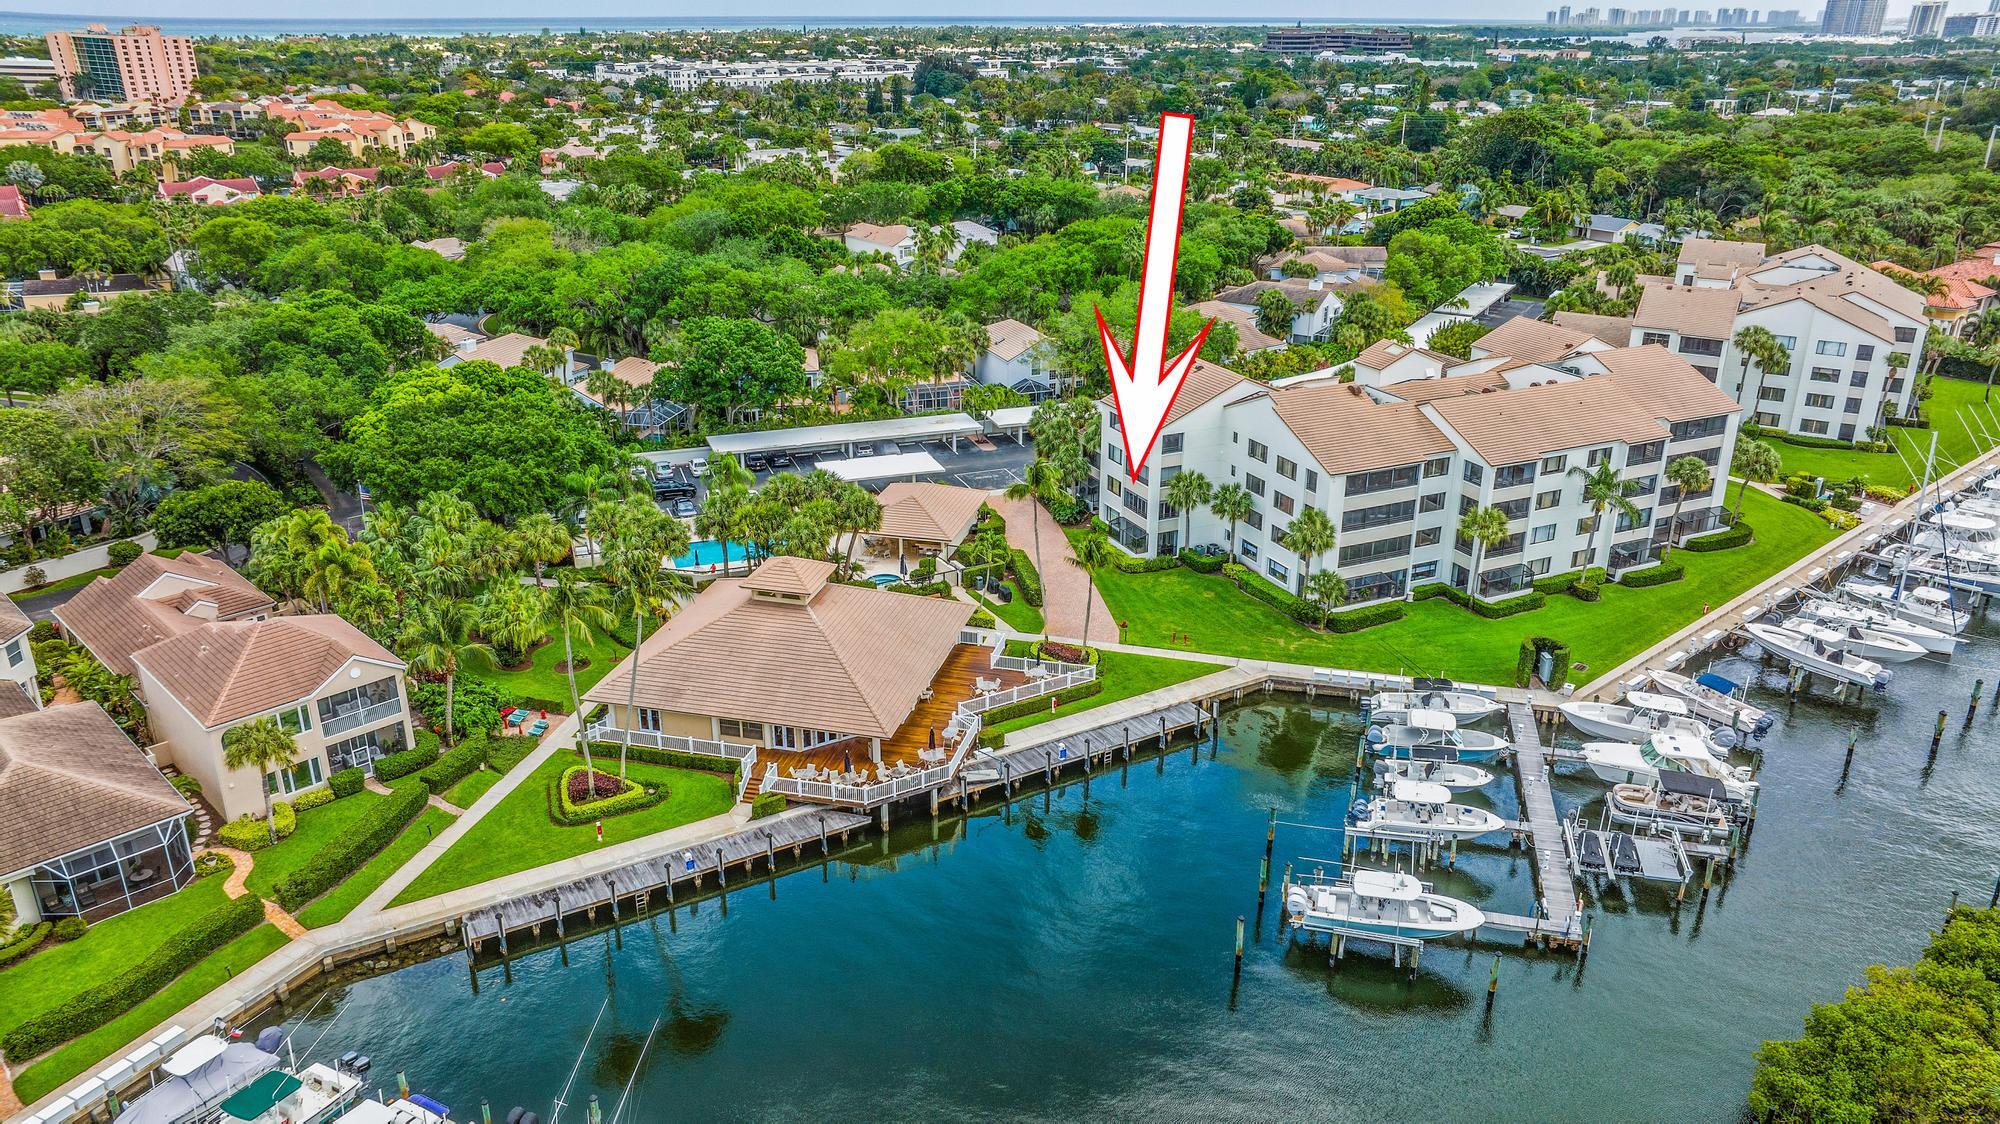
{"x":1994,"y":132}
{"x":1938,"y":144}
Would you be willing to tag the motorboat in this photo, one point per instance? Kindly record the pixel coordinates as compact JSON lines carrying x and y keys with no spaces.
{"x":1639,"y":715}
{"x":1815,"y":655}
{"x":1846,"y":613}
{"x":1425,"y":729}
{"x":1642,"y":763}
{"x":1678,"y":801}
{"x":317,"y":1094}
{"x":1932,"y":608}
{"x":1868,"y":643}
{"x":1713,"y":698}
{"x":1421,"y":766}
{"x":1463,"y":706}
{"x":1965,"y":567}
{"x":194,"y":1081}
{"x":413,"y":1109}
{"x":1419,"y":810}
{"x":1374,"y":903}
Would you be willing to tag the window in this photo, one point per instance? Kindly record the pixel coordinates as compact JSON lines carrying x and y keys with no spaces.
{"x":1825,"y":374}
{"x":297,"y":720}
{"x":1432,"y":502}
{"x":1288,"y":469}
{"x":1171,"y":442}
{"x":1467,"y":503}
{"x":1367,"y":551}
{"x":1539,"y":567}
{"x":1282,"y":502}
{"x":1259,"y":451}
{"x":1789,"y":343}
{"x":1700,"y":427}
{"x":1830,"y":347}
{"x":1514,"y":475}
{"x":1436,"y":466}
{"x":1847,"y":432}
{"x":1513,"y":509}
{"x":1430,"y":536}
{"x":740,"y":728}
{"x":1819,"y":401}
{"x":1253,"y":482}
{"x":1312,"y":480}
{"x":1893,"y":386}
{"x":1112,"y":485}
{"x":1247,"y":549}
{"x":1276,"y":569}
{"x":1255,"y":519}
{"x":1144,"y":472}
{"x":1554,"y":464}
{"x":1473,"y":472}
{"x":1544,"y":533}
{"x":1548,"y":499}
{"x":1771,"y":394}
{"x":1647,"y":338}
{"x":1812,"y":425}
{"x":1695,"y":345}
{"x":1579,"y":560}
{"x":1381,"y":480}
{"x":1851,"y":406}
{"x":1627,"y":522}
{"x":1906,"y":335}
{"x":15,"y":653}
{"x":1115,"y":455}
{"x":1646,"y":485}
{"x":1362,"y":518}
{"x":1599,"y":456}
{"x":1857,"y":378}
{"x":1647,"y":453}
{"x":305,"y":774}
{"x":1135,"y":503}
{"x":1864,"y":352}
{"x":649,"y":719}
{"x":1423,"y":571}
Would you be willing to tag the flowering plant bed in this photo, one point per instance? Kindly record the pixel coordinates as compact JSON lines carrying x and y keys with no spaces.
{"x":581,"y":796}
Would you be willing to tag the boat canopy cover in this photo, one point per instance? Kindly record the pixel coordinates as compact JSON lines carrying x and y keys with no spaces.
{"x":1716,"y":682}
{"x":1966,"y":521}
{"x":1929,"y":594}
{"x":1423,"y":684}
{"x":1646,"y":700}
{"x":179,"y":1098}
{"x":194,"y":1055}
{"x":1431,"y":720}
{"x":1385,"y":884}
{"x":260,"y":1096}
{"x":1420,"y":792}
{"x":1689,"y":784}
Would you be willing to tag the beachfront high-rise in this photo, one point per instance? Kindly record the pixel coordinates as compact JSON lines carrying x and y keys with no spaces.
{"x":135,"y":64}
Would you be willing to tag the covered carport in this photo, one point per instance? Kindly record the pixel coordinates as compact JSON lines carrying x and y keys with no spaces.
{"x":1012,"y":421}
{"x":895,"y":466}
{"x":846,"y":435}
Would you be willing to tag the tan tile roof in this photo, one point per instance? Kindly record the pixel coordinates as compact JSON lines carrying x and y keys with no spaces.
{"x":1298,"y":290}
{"x":1010,"y":339}
{"x":231,"y":669}
{"x":14,"y":698}
{"x":850,"y":660}
{"x":453,"y":334}
{"x":1347,"y":431}
{"x":929,"y":512}
{"x":1614,"y":330}
{"x":1664,"y":384}
{"x":1381,"y":354}
{"x":1532,"y":340}
{"x":798,"y":577}
{"x":1707,"y":313}
{"x":507,"y":350}
{"x":1249,"y":337}
{"x":13,"y":622}
{"x":70,"y":778}
{"x":1451,"y":386}
{"x":1507,"y":427}
{"x":1717,"y":252}
{"x":887,"y":237}
{"x":1851,"y":278}
{"x":111,"y":618}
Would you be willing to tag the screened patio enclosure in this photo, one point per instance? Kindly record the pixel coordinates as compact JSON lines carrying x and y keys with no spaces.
{"x":116,"y":875}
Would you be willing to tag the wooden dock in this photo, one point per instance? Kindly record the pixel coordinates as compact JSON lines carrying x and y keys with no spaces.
{"x":1563,"y":917}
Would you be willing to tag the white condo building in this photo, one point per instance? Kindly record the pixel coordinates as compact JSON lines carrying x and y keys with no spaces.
{"x":1396,"y":456}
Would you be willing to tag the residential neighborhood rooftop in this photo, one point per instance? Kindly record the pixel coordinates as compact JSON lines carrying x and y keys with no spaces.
{"x":69,"y":777}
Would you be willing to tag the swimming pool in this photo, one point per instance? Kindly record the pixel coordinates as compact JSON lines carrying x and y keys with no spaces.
{"x":884,"y":579}
{"x":704,"y":553}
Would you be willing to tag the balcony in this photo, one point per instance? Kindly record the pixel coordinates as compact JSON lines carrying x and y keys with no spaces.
{"x":1505,"y":580}
{"x":354,"y":718}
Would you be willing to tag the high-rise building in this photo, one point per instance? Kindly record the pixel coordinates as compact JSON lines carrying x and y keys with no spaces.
{"x":1782,"y":17}
{"x":1615,"y":17}
{"x":1552,"y":17}
{"x":1927,"y":19}
{"x":132,"y":65}
{"x":1853,"y":17}
{"x":1562,"y":15}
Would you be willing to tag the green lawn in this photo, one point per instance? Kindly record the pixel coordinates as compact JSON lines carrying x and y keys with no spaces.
{"x":542,"y":681}
{"x":87,"y":1051}
{"x":57,"y":972}
{"x":500,"y":759}
{"x":1019,"y":615}
{"x":1125,"y":674}
{"x":1438,"y":637}
{"x":341,"y":900}
{"x":518,"y":835}
{"x":1957,"y":413}
{"x":317,"y":828}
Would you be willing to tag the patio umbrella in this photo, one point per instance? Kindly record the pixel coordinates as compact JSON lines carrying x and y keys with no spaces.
{"x":933,"y":744}
{"x":846,"y":761}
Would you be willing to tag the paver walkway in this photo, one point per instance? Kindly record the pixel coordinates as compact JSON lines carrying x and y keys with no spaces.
{"x":234,"y":886}
{"x":1065,"y":589}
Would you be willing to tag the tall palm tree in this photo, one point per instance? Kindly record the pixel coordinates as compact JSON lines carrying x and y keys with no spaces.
{"x":1759,"y":347}
{"x":581,"y":611}
{"x":1310,"y":535}
{"x":263,"y":745}
{"x":644,"y":539}
{"x":728,"y":479}
{"x":1090,"y":552}
{"x":334,"y":567}
{"x":1037,"y":483}
{"x":514,"y":616}
{"x":541,"y":541}
{"x":1604,"y":489}
{"x":1689,"y":474}
{"x":1187,"y":491}
{"x":1753,"y":460}
{"x":1487,"y":528}
{"x":1327,"y":591}
{"x":437,"y":639}
{"x":856,"y":511}
{"x":1233,"y":503}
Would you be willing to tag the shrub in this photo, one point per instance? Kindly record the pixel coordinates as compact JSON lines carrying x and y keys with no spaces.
{"x":34,"y":576}
{"x":212,"y":862}
{"x":928,"y":589}
{"x":1840,"y":520}
{"x":1556,"y":583}
{"x":1129,"y":565}
{"x":124,"y":552}
{"x":95,"y":1006}
{"x":312,"y":798}
{"x":766,"y":804}
{"x":348,"y":853}
{"x":585,"y":785}
{"x":1810,"y":503}
{"x":1065,"y":653}
{"x":1026,"y":577}
{"x":185,"y":785}
{"x":620,"y":797}
{"x":1034,"y":706}
{"x":70,"y":928}
{"x":1491,"y":610}
{"x":346,"y":782}
{"x":1282,"y":600}
{"x":247,"y":834}
{"x":475,"y":705}
{"x":1531,"y":649}
{"x":1668,"y":571}
{"x":42,"y":632}
{"x":409,"y":761}
{"x":1882,"y":493}
{"x":463,"y":760}
{"x":1726,"y":539}
{"x":24,"y":942}
{"x":1354,"y":620}
{"x":1068,"y":510}
{"x":982,"y":619}
{"x":1586,"y":588}
{"x":1202,"y":563}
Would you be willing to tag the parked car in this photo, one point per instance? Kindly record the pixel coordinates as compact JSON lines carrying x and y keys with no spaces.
{"x":756,"y":462}
{"x":684,"y":509}
{"x":781,"y":459}
{"x":700,"y":466}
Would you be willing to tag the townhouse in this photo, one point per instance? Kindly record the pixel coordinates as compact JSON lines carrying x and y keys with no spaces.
{"x":1395,"y":458}
{"x":357,"y":130}
{"x":1315,"y":304}
{"x":210,"y":192}
{"x":1967,"y":288}
{"x":1854,"y":336}
{"x":1019,"y":357}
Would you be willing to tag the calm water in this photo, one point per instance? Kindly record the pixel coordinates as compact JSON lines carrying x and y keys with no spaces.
{"x":1071,"y":956}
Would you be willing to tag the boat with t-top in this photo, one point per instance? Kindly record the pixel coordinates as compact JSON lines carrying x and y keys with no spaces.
{"x":1435,"y":730}
{"x":1642,"y":763}
{"x":1419,"y":810}
{"x":1375,"y":903}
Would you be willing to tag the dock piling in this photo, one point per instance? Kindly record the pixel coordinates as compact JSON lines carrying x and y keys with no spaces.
{"x":1937,"y":735}
{"x":1493,"y":982}
{"x":1978,"y":685}
{"x":1239,"y":946}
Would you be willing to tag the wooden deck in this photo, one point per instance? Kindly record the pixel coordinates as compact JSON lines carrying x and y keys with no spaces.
{"x":953,"y":684}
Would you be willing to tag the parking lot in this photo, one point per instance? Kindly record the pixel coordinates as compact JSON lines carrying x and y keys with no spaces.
{"x":970,"y":467}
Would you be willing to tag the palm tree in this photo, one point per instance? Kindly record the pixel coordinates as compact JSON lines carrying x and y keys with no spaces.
{"x":857,"y":511}
{"x":1758,"y":346}
{"x":1327,"y":591}
{"x":1274,"y":313}
{"x":1487,"y":528}
{"x":514,"y":616}
{"x":581,"y":611}
{"x":541,"y":541}
{"x":1037,"y":482}
{"x":1604,"y":489}
{"x":263,"y":745}
{"x":728,"y":479}
{"x":1753,"y":460}
{"x":1091,"y":553}
{"x":1689,"y":474}
{"x":1187,"y":491}
{"x":437,"y":639}
{"x":1232,"y":502}
{"x":644,"y":539}
{"x":333,"y":568}
{"x":1309,"y":536}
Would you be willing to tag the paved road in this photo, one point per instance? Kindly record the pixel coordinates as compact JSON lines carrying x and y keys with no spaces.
{"x":345,"y":507}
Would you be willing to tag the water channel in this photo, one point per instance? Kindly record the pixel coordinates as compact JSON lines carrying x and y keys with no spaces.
{"x":1070,"y":956}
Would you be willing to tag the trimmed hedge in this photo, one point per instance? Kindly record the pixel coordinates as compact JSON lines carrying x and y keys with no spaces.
{"x":1304,"y":611}
{"x":671,"y":758}
{"x":928,"y":589}
{"x":982,"y":619}
{"x":399,"y":765}
{"x":1661,"y":574}
{"x":351,"y":851}
{"x":1026,"y":576}
{"x":312,"y":798}
{"x":1129,"y":565}
{"x":1531,"y":649}
{"x":93,"y":1007}
{"x":244,"y":835}
{"x":347,"y":782}
{"x":1354,"y":620}
{"x":633,"y":799}
{"x":24,"y":942}
{"x":455,"y":766}
{"x":1491,"y":610}
{"x":285,"y":818}
{"x":1727,"y":539}
{"x":766,"y":804}
{"x":1202,"y":563}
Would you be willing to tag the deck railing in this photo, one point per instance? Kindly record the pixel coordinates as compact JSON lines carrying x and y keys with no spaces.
{"x":736,"y":756}
{"x":879,"y":792}
{"x":1072,"y":675}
